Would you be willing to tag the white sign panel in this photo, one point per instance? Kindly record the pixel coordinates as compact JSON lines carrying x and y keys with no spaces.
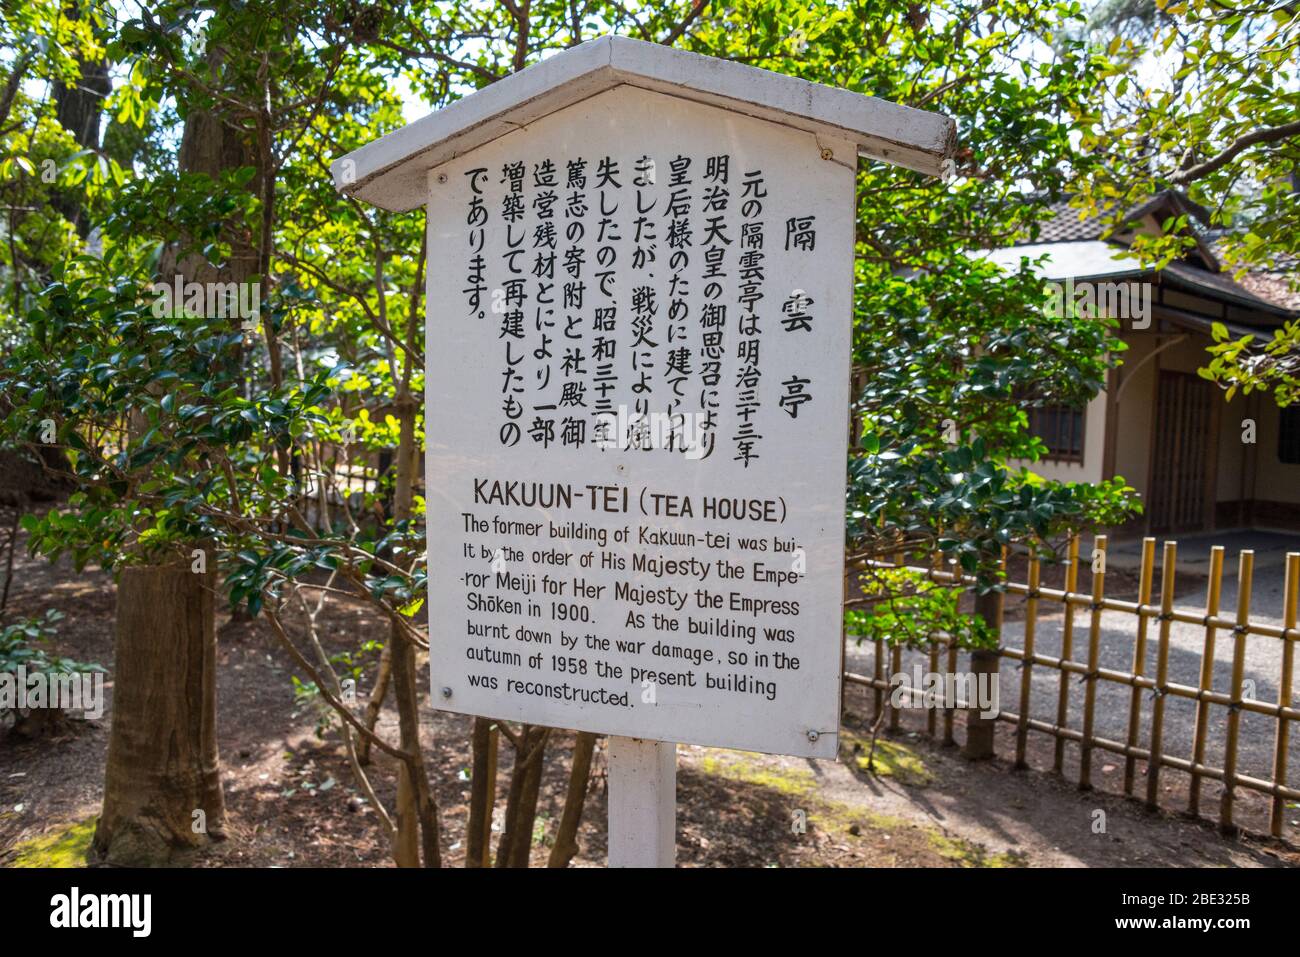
{"x":636,"y":409}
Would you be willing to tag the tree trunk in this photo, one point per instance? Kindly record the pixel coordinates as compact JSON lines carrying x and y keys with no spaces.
{"x":522,"y":848}
{"x":79,"y":110}
{"x":981,"y":731}
{"x":163,"y":757}
{"x":515,"y":847}
{"x":510,"y":823}
{"x":566,"y":835}
{"x":482,"y":788}
{"x":376,"y":702}
{"x":11,"y":546}
{"x":163,"y":766}
{"x":406,"y":837}
{"x":417,"y":815}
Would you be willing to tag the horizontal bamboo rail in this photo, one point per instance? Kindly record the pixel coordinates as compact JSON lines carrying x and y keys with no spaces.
{"x":1156,"y":756}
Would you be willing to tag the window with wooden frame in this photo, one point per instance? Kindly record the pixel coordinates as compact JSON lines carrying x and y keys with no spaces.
{"x":1061,"y":427}
{"x":1288,"y":435}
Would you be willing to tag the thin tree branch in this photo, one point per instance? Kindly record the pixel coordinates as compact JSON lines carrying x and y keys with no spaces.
{"x":1272,"y":134}
{"x":681,"y":28}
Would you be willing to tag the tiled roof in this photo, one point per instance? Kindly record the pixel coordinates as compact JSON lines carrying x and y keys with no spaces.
{"x":1273,"y":286}
{"x":1067,"y":225}
{"x":1064,"y":226}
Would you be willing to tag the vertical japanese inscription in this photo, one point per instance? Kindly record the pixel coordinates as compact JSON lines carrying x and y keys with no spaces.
{"x":637,"y":388}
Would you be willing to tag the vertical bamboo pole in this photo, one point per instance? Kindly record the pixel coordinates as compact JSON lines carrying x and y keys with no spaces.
{"x":1168,"y":575}
{"x":1291,"y":591}
{"x":932,"y":716}
{"x":1027,"y":663}
{"x":931,"y":719}
{"x":950,"y":711}
{"x":1139,"y":657}
{"x":878,"y":672}
{"x":895,"y":662}
{"x":895,"y":667}
{"x":1067,"y":649}
{"x":1201,"y":727}
{"x":1245,"y":572}
{"x":844,"y":642}
{"x":1098,"y":567}
{"x":879,"y":675}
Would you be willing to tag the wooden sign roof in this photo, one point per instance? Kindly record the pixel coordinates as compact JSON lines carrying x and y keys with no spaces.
{"x":390,"y":172}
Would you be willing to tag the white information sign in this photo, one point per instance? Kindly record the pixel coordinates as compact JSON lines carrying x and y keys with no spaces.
{"x":636,"y":411}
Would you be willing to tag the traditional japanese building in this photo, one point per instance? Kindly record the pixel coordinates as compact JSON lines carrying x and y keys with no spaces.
{"x":1200,"y":462}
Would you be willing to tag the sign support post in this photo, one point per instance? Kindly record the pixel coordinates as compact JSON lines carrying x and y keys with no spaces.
{"x":642,"y":802}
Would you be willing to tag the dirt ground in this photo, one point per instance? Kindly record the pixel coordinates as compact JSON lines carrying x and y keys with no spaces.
{"x":291,"y":800}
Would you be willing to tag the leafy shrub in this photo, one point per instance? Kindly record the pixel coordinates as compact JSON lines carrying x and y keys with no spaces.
{"x":20,"y":648}
{"x":915,"y":612}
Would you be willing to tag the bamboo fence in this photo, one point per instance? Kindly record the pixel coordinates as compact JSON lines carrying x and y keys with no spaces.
{"x":1084,"y":665}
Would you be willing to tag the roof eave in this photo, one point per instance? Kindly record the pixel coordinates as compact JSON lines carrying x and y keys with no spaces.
{"x":1245,"y":299}
{"x":1205,"y":325}
{"x":390,"y":172}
